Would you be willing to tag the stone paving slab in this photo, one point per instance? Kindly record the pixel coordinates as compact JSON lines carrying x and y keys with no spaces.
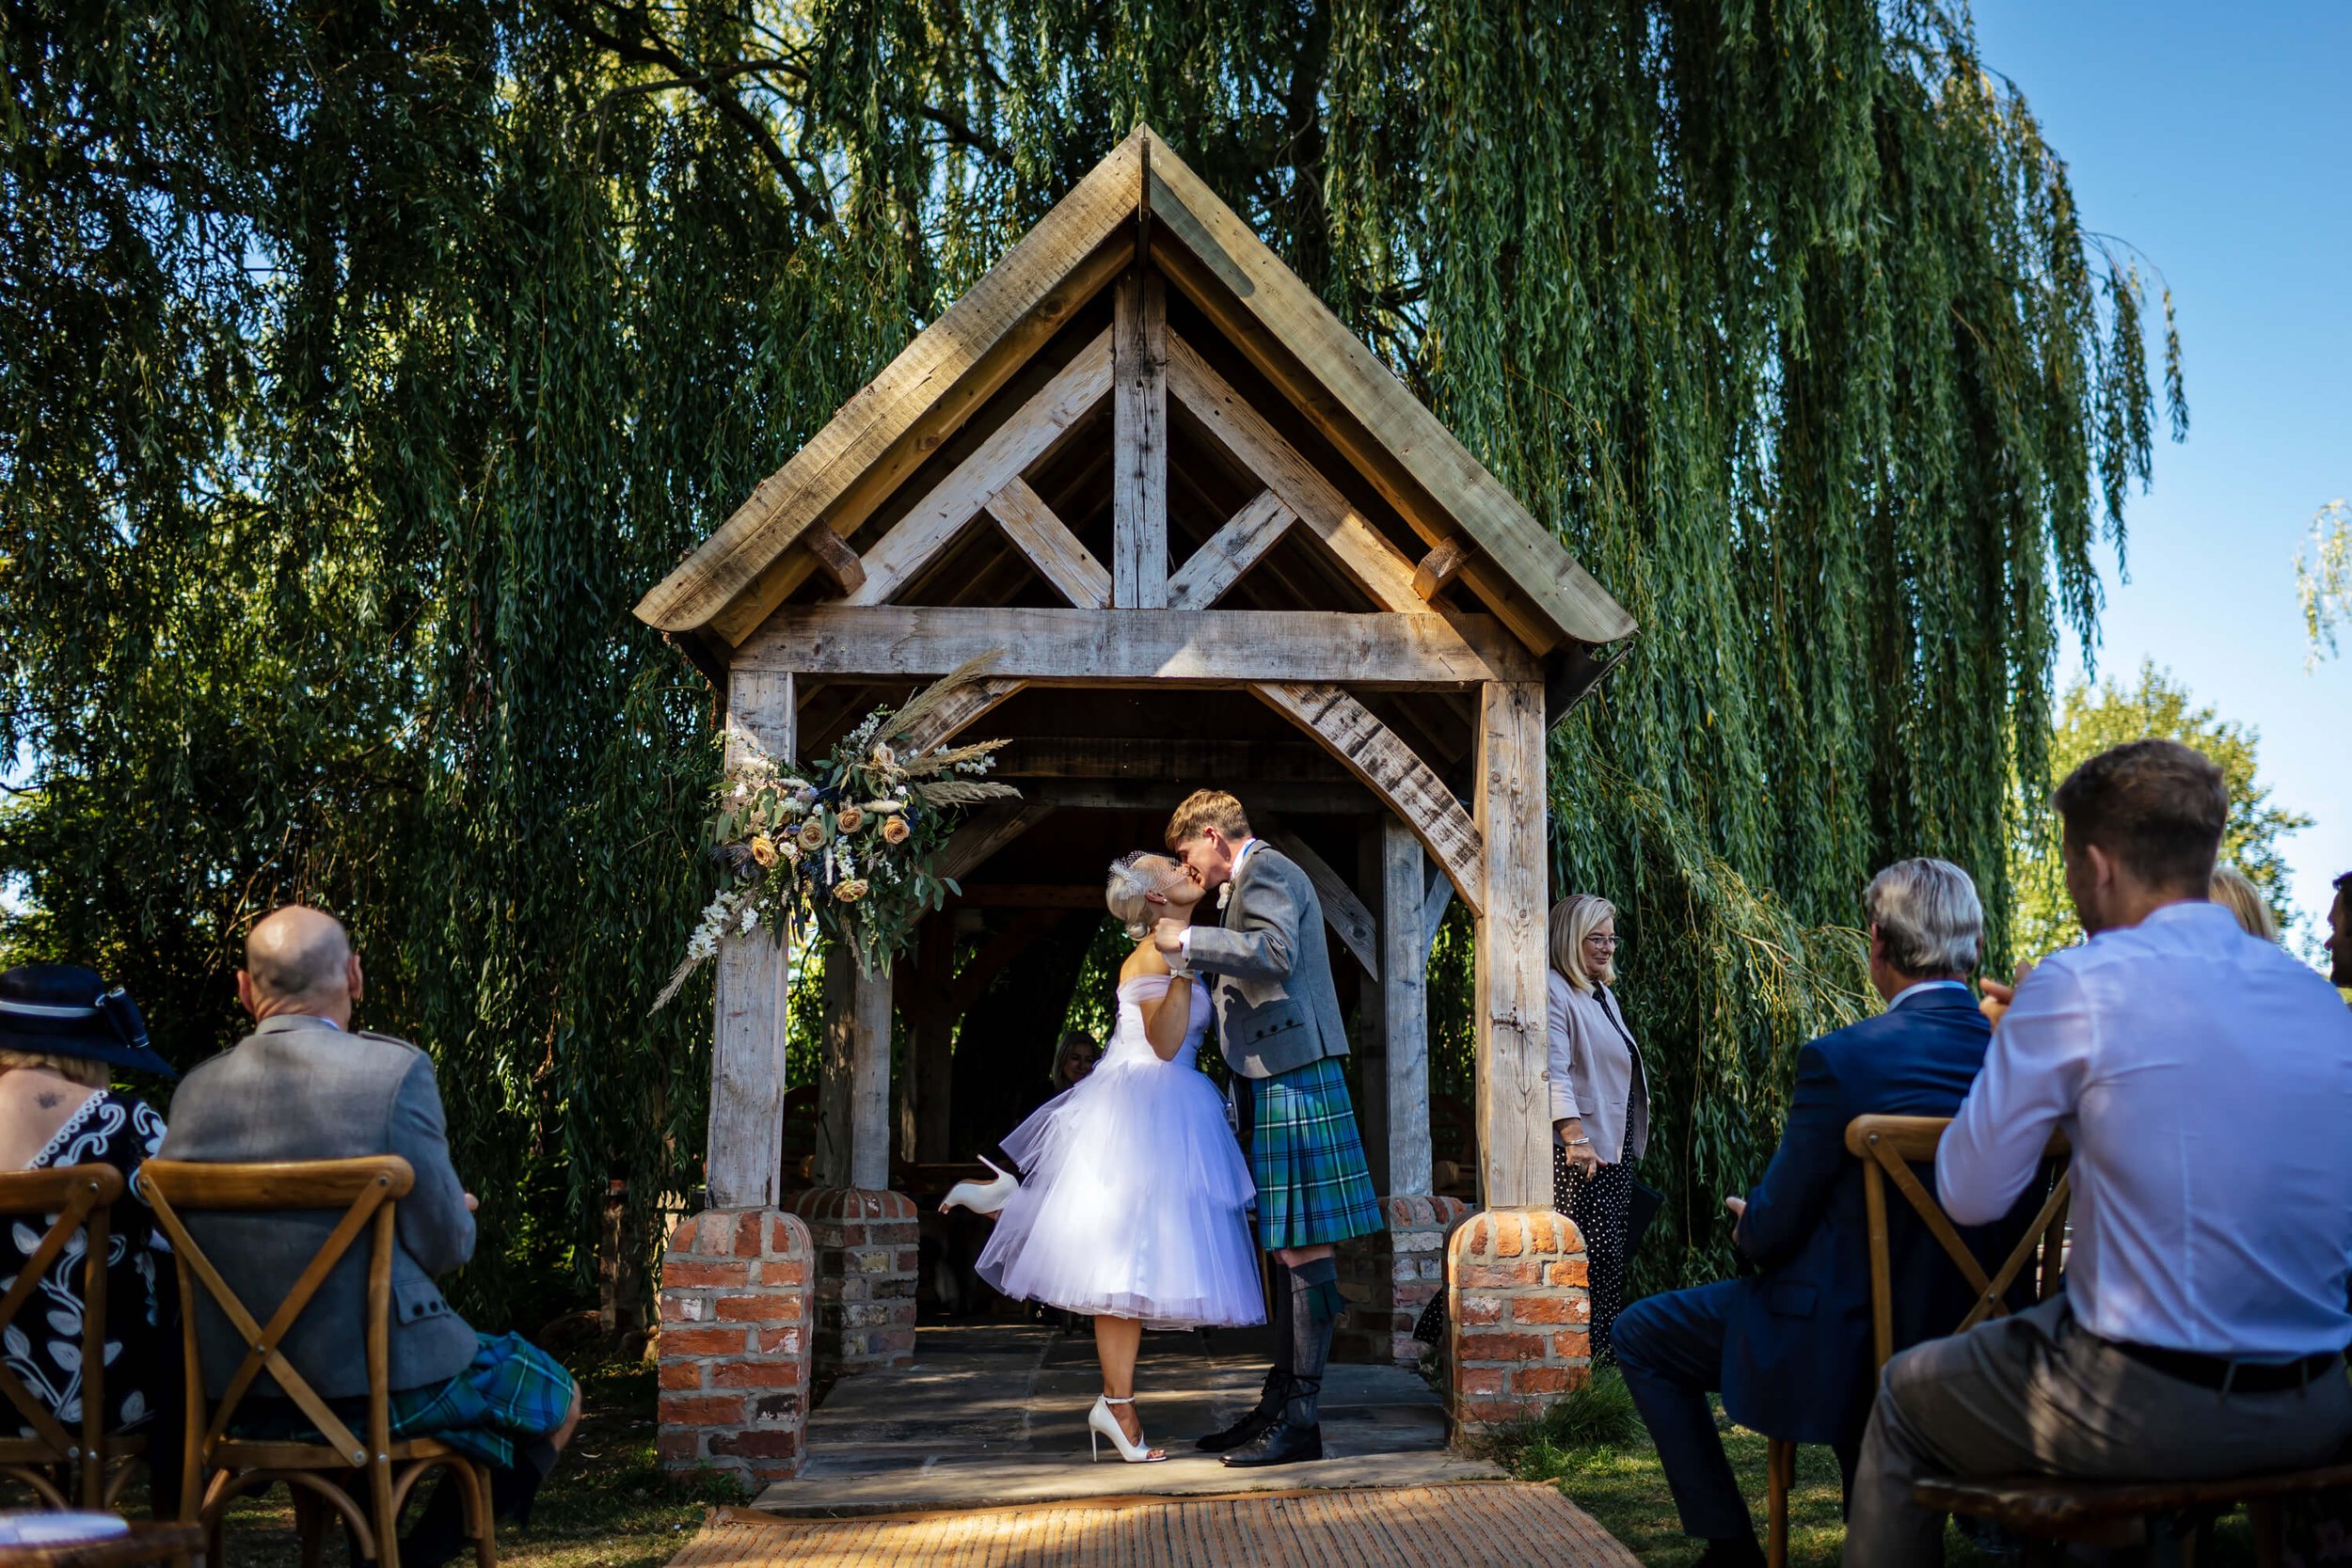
{"x":996,"y":1415}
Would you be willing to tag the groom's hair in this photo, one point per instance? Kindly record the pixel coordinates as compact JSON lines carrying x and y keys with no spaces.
{"x":1207,"y":808}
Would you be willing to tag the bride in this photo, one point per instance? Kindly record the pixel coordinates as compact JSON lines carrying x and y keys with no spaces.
{"x":1130,"y":1203}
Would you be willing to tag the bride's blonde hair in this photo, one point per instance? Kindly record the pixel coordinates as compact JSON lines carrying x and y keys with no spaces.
{"x":1127,"y":894}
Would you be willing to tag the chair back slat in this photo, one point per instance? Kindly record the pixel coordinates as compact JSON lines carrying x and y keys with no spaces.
{"x":365,"y":1190}
{"x":78,"y":1196}
{"x":1888,"y":1147}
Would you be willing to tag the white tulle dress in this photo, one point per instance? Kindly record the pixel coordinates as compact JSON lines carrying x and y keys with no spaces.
{"x":1132,"y":1189}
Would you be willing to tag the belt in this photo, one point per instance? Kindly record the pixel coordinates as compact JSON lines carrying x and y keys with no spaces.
{"x":2222,"y":1372}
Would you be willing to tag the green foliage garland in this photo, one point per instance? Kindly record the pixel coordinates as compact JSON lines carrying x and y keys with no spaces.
{"x":360,"y":365}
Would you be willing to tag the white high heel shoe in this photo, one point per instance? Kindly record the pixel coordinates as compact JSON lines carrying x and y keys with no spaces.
{"x":1100,"y":1423}
{"x":982,"y":1198}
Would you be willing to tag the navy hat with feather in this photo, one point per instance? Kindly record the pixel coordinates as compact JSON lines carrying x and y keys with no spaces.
{"x":65,"y":1010}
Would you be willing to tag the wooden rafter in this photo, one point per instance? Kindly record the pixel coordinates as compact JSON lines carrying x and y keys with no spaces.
{"x":1052,"y":548}
{"x":1217,"y":647}
{"x":1226,"y":554}
{"x":1439,"y":567}
{"x":1346,"y":913}
{"x":1371,"y":750}
{"x":1033,"y":431}
{"x":960,"y":707}
{"x":1139,"y":444}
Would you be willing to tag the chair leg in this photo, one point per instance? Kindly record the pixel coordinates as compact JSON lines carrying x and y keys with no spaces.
{"x":1780,"y":1474}
{"x":309,"y":1510}
{"x":485,"y":1526}
{"x":385,"y":1514}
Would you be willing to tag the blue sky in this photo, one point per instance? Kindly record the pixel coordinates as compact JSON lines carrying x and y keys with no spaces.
{"x":2219,"y":140}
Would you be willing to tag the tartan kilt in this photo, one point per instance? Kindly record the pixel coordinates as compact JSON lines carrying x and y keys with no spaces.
{"x":1308,"y":1159}
{"x":512,"y":1394}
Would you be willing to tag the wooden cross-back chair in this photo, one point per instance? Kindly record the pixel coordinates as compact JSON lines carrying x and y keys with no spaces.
{"x":80,"y":1198}
{"x":1888,"y":1147}
{"x":367,"y":1191}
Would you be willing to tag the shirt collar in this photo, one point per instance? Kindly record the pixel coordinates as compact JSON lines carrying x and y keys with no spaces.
{"x":278,"y":1022}
{"x":1241,"y":853}
{"x":1909,"y":991}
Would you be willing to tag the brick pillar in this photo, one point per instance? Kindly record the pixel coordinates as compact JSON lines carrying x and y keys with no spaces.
{"x":865,"y":1265}
{"x":735,"y":1288}
{"x":1516,"y":1310}
{"x":1389,"y":1276}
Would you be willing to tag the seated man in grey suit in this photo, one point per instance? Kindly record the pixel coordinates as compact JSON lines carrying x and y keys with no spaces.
{"x":305,"y":1085}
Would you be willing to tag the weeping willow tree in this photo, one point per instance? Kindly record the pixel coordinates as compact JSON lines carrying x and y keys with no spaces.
{"x":360,"y":365}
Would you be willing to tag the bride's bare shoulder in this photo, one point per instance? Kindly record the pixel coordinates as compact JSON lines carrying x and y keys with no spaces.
{"x":1144,"y":960}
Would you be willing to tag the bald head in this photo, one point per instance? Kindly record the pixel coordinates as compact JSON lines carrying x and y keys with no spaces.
{"x":299,"y":959}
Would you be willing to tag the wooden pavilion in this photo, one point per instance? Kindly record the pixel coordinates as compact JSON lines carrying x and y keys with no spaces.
{"x":1217,"y":542}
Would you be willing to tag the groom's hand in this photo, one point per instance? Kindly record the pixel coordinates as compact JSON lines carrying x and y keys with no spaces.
{"x":1168,"y":937}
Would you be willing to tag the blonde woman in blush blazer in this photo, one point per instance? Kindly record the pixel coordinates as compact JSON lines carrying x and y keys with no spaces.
{"x":1599,"y":1098}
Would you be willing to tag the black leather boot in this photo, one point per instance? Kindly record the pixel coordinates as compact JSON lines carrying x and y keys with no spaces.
{"x":1254,"y":1425}
{"x":1285,"y":1444}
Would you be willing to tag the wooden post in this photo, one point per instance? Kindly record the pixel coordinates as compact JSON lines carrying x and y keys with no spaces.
{"x":1140,"y":437}
{"x":870,"y":1083}
{"x":835,"y":1136}
{"x":932,"y":1026}
{"x":743,"y":1155}
{"x":1371,"y":1044}
{"x":1404,"y":1009}
{"x":1509,"y":1002}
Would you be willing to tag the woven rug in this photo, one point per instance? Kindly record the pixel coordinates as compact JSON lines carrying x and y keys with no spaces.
{"x":1467,"y":1524}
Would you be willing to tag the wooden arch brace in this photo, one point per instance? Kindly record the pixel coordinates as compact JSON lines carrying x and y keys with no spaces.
{"x":1389,"y":767}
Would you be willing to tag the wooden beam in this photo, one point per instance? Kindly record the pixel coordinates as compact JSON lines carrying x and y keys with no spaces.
{"x":743,"y":1147}
{"x":1509,"y":1008}
{"x":1039,"y":426}
{"x":835,"y":558}
{"x":869,"y":1082}
{"x":1139,"y":445}
{"x":1405,"y":1009}
{"x":1379,"y":567}
{"x":1231,"y":551}
{"x":1419,"y":465}
{"x":988,"y":830}
{"x":1343,"y":911}
{"x":1165,"y":760}
{"x":1214,"y":648}
{"x":832,"y":1164}
{"x":1407,"y":785}
{"x":1439,"y":567}
{"x":914,"y":405}
{"x":1052,"y":548}
{"x":1435,"y":895}
{"x":961,"y":709}
{"x":1159,"y":797}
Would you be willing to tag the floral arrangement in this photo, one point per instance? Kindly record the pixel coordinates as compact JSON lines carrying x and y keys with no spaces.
{"x":846,"y":841}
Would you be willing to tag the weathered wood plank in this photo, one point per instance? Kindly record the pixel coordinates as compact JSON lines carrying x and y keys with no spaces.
{"x":988,"y":830}
{"x":869,"y":1082}
{"x":1034,"y":430}
{"x":961,"y":708}
{"x":1382,"y":569}
{"x":917,"y":401}
{"x":1508,"y":1009}
{"x":1218,"y":647}
{"x":744,"y":1136}
{"x":1292,"y":339}
{"x":1343,"y":911}
{"x":835,"y":558}
{"x":1439,"y":567}
{"x":1052,"y":548}
{"x":1139,"y":445}
{"x":1228,"y":554}
{"x":1371,"y":750}
{"x":832,"y":1166}
{"x":1130,"y":795}
{"x":1166,"y":760}
{"x":1405,"y":1008}
{"x":1435,"y":895}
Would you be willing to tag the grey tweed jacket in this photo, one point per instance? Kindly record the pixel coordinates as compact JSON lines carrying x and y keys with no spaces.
{"x":1277,"y":1009}
{"x":299,"y":1088}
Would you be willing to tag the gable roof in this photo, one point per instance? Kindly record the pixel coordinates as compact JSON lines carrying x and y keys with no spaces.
{"x":1140,"y":195}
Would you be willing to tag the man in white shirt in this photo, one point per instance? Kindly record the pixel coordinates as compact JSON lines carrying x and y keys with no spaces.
{"x":2204,"y":1080}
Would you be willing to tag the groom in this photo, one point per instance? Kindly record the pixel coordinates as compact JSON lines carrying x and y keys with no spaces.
{"x":1278,"y":1021}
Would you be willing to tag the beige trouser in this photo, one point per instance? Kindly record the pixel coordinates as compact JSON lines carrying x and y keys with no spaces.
{"x":2036,"y":1394}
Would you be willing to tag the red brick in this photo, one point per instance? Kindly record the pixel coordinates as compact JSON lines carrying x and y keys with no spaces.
{"x":679,"y":1274}
{"x":759,"y":1309}
{"x":1479,"y":1380}
{"x":1483,"y":1412}
{"x":676,"y":1447}
{"x":1547,"y":1380}
{"x":906,"y":1259}
{"x":756,"y":1374}
{"x":1572,"y":1343}
{"x":1494,"y":1277}
{"x":1479,"y":1311}
{"x":687,"y":1410}
{"x":1491,"y":1345}
{"x":1566,"y":1273}
{"x":777,"y":1341}
{"x":784,"y":1270}
{"x":681,"y":1374}
{"x":702,"y":1341}
{"x":787,"y":1236}
{"x":1509,"y":1236}
{"x":769,"y":1443}
{"x":748,"y":1241}
{"x":1524,"y":1309}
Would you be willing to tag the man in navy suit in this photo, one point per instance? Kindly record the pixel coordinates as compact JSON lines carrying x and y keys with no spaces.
{"x":1789,"y":1346}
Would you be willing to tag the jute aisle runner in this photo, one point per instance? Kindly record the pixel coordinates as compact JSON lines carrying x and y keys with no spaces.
{"x":1467,"y":1524}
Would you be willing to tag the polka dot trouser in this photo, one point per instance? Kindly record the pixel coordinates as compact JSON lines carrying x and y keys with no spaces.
{"x":1598,"y":1206}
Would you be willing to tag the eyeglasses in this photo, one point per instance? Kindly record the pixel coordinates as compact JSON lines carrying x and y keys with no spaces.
{"x":1612,"y":943}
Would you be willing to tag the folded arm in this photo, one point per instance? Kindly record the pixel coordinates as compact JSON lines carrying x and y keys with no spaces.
{"x":435,"y":1225}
